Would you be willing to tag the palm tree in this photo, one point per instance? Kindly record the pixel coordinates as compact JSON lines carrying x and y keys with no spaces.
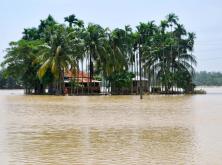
{"x":43,"y":28}
{"x":148,"y":46}
{"x":146,"y":35}
{"x":119,"y":51}
{"x":172,"y":19}
{"x":129,"y":45}
{"x":71,"y":19}
{"x":168,"y":53}
{"x":77,"y":44}
{"x":94,"y":42}
{"x":31,"y":34}
{"x":165,"y":51}
{"x":56,"y":56}
{"x":130,"y":51}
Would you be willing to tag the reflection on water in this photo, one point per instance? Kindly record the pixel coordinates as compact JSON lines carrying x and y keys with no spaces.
{"x":103,"y":130}
{"x":102,"y":146}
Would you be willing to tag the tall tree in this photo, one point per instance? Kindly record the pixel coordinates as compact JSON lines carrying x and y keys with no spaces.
{"x":56,"y":56}
{"x":95,"y":45}
{"x":19,"y":64}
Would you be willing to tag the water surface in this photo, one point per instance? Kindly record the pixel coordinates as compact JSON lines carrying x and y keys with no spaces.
{"x":105,"y":130}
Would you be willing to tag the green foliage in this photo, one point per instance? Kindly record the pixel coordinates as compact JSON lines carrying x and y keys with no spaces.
{"x":75,"y":84}
{"x":55,"y":55}
{"x":121,"y":79}
{"x":8,"y":82}
{"x":167,"y":51}
{"x":97,"y":77}
{"x":2,"y":81}
{"x":204,"y":78}
{"x":184,"y":80}
{"x":20,"y":62}
{"x":40,"y":58}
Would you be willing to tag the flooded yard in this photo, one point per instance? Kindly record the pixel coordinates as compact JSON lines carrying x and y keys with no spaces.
{"x":105,"y":130}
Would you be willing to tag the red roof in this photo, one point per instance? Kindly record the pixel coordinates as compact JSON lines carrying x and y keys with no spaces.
{"x":80,"y":76}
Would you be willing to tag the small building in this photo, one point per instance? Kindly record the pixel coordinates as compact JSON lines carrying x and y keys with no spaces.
{"x":134,"y":88}
{"x":79,"y":83}
{"x":136,"y":84}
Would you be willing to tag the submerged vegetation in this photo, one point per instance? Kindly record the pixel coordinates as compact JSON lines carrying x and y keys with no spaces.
{"x":41,"y":57}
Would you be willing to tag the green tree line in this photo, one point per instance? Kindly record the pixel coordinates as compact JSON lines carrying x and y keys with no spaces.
{"x":8,"y":83}
{"x":40,"y":58}
{"x":204,"y":78}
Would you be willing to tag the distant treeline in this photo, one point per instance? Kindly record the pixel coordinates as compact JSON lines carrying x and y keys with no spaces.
{"x":8,"y":82}
{"x":204,"y":78}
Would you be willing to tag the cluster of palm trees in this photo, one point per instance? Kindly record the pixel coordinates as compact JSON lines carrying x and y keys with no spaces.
{"x":164,"y":52}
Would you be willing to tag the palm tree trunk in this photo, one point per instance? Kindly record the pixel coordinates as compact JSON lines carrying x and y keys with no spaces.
{"x":77,"y":88}
{"x":137,"y":76}
{"x":88,"y":72}
{"x":90,"y":67}
{"x":82,"y":76}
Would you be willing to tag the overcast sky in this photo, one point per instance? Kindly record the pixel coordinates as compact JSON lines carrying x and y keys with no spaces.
{"x":204,"y":17}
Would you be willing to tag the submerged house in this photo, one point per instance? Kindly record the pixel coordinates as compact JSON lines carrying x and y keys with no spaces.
{"x":133,"y":88}
{"x":79,"y":83}
{"x":136,"y":84}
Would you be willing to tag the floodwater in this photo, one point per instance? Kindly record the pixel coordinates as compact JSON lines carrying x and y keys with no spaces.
{"x":111,"y":130}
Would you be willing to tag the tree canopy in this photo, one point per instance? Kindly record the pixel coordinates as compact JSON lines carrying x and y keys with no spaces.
{"x":40,"y":58}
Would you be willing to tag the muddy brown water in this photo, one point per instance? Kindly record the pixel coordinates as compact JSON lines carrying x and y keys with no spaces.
{"x":111,"y":130}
